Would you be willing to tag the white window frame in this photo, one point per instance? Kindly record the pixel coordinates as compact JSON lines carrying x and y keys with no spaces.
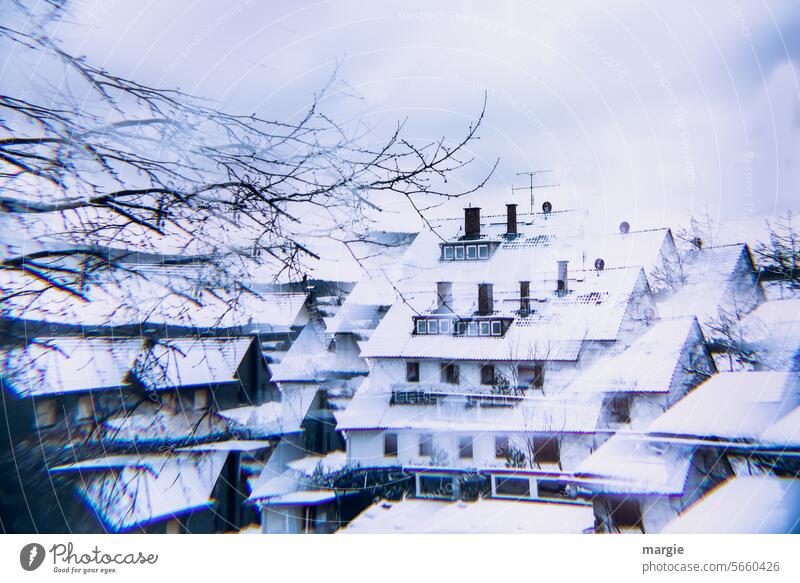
{"x":474,"y":249}
{"x":458,"y":252}
{"x":499,"y":326}
{"x":472,"y":329}
{"x":448,"y":252}
{"x":421,"y":326}
{"x":444,"y":327}
{"x":433,"y":326}
{"x":483,"y":252}
{"x":488,"y":328}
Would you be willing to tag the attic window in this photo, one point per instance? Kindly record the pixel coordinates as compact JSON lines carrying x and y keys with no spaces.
{"x":433,"y":327}
{"x":497,"y":328}
{"x":472,"y":329}
{"x":472,"y":252}
{"x":420,"y":326}
{"x":484,"y":328}
{"x":448,"y":252}
{"x":459,"y":252}
{"x":444,"y":326}
{"x":483,"y":252}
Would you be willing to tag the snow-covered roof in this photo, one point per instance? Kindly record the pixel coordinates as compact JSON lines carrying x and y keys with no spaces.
{"x":732,"y":405}
{"x":485,"y":516}
{"x":265,"y":419}
{"x":160,"y":426}
{"x":593,"y":310}
{"x":785,"y":432}
{"x":157,"y":488}
{"x":649,"y":365}
{"x":186,"y":362}
{"x":744,"y":505}
{"x":372,"y":410}
{"x":230,"y":445}
{"x":627,"y":464}
{"x":331,"y":462}
{"x":302,"y":498}
{"x":61,"y":365}
{"x":310,"y":360}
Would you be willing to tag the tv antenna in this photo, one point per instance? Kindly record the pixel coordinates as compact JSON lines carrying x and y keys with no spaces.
{"x":531,"y":187}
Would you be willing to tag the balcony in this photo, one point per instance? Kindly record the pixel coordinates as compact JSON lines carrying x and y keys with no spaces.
{"x":472,"y":396}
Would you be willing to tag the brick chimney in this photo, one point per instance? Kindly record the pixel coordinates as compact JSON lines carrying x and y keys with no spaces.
{"x":525,"y":296}
{"x":562,"y":284}
{"x":511,"y":219}
{"x":485,"y":298}
{"x":444,"y":296}
{"x":472,"y":222}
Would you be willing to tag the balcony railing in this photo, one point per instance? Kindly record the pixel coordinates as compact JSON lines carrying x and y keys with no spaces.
{"x":434,"y":393}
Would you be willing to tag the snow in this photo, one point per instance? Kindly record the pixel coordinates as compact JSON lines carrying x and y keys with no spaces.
{"x":190,"y":362}
{"x":265,"y":419}
{"x":485,"y":516}
{"x":775,"y":327}
{"x":302,"y":498}
{"x":744,"y":505}
{"x":649,"y":365}
{"x":332,"y":462}
{"x":627,"y":464}
{"x":371,"y":410}
{"x":310,"y":360}
{"x":784,"y":432}
{"x":160,"y":426}
{"x":69,"y":364}
{"x":732,"y":405}
{"x":169,"y":486}
{"x":230,"y":445}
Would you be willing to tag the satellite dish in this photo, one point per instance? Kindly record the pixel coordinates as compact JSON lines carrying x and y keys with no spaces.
{"x":624,"y":227}
{"x":547,"y":206}
{"x":599,"y":264}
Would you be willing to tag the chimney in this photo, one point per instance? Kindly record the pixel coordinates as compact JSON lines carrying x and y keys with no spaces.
{"x":524,"y":296}
{"x":472,"y":222}
{"x":485,"y":299}
{"x":562,"y":284}
{"x":444,"y":296}
{"x":511,"y":219}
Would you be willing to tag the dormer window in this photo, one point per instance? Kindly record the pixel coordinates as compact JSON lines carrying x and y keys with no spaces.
{"x":448,"y":253}
{"x":444,"y":326}
{"x":472,"y":251}
{"x":483,"y":252}
{"x":459,"y":253}
{"x":497,"y":328}
{"x":420,"y":326}
{"x":472,"y":329}
{"x":433,"y":327}
{"x":484,"y":327}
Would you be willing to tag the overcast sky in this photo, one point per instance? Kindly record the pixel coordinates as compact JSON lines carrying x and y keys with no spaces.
{"x":645,"y":111}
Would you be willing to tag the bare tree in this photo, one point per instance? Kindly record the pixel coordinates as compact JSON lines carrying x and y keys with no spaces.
{"x":779,"y":256}
{"x":106,"y":162}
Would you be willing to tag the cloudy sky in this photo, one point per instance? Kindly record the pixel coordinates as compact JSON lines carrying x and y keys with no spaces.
{"x":646,"y":111}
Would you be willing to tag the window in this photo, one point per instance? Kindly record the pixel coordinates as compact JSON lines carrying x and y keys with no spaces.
{"x":444,"y":326}
{"x":462,"y":328}
{"x":45,"y":412}
{"x":619,"y":407}
{"x":200,"y":399}
{"x":85,"y":409}
{"x":420,"y":326}
{"x":435,"y":486}
{"x":484,"y":328}
{"x":412,"y":372}
{"x":472,"y":252}
{"x":546,"y":450}
{"x":487,"y":374}
{"x":465,"y":448}
{"x":390,"y":444}
{"x":433,"y":327}
{"x":425,"y":445}
{"x":483,"y":251}
{"x":448,"y":252}
{"x":533,"y":376}
{"x":472,"y":329}
{"x":512,"y":487}
{"x":450,"y":374}
{"x":626,"y":514}
{"x":458,"y":252}
{"x":501,"y":446}
{"x":497,"y":328}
